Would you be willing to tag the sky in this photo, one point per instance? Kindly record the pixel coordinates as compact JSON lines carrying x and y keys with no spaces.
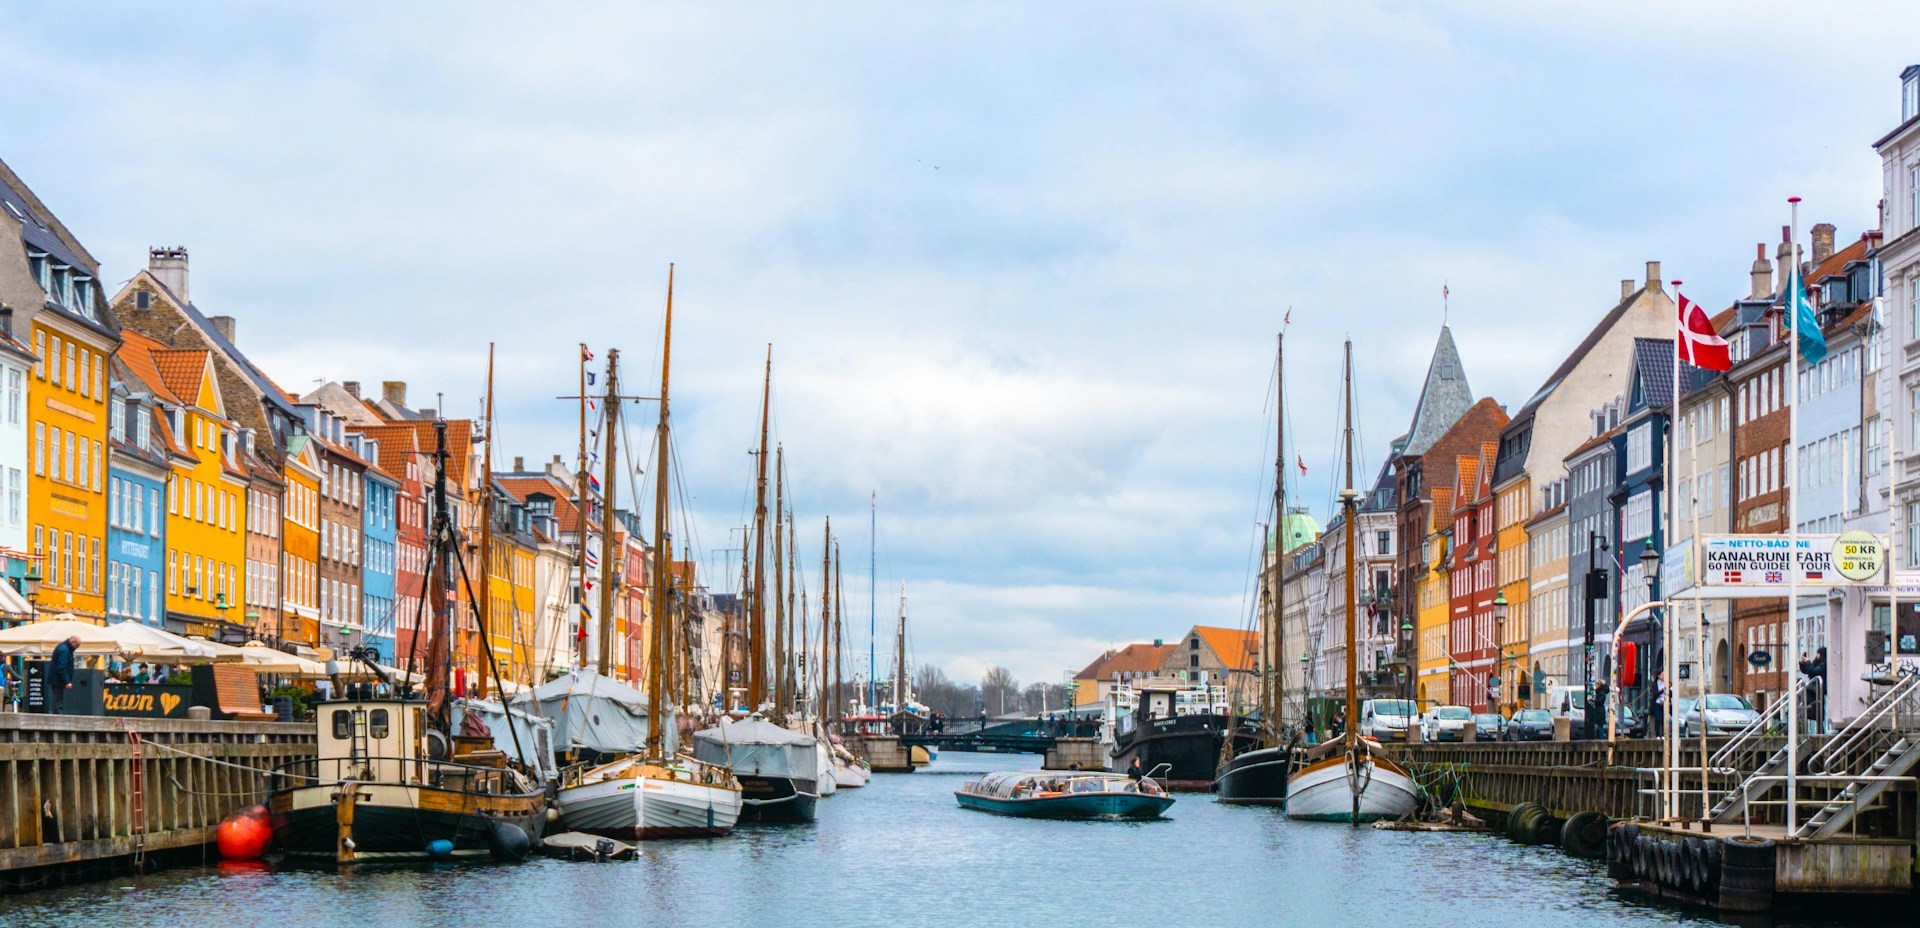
{"x":1021,"y":266}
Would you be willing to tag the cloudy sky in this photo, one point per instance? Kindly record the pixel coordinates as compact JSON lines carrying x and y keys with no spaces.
{"x":1021,"y":265}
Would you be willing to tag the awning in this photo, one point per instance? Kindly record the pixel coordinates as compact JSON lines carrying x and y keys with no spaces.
{"x":11,"y":602}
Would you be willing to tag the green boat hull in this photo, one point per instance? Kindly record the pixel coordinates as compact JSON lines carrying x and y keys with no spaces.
{"x":1087,"y":806}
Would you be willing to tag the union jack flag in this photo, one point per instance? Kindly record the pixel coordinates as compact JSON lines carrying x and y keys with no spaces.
{"x":1775,"y":576}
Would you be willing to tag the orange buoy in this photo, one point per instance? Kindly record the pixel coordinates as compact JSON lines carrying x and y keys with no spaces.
{"x":245,"y":835}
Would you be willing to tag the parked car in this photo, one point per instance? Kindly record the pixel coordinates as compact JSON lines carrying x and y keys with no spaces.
{"x":1726,"y":714}
{"x":1630,"y":724}
{"x":1489,"y":726}
{"x":1446,"y":723}
{"x":1387,"y":719}
{"x":1529,"y":725}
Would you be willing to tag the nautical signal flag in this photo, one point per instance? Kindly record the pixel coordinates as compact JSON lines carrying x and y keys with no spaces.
{"x":585,"y":353}
{"x":1813,"y":342}
{"x":1697,"y":342}
{"x":593,"y":482}
{"x":1301,"y":463}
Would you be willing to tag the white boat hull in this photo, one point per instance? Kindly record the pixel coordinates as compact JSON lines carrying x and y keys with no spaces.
{"x":825,"y":778}
{"x":849,"y":776}
{"x":644,"y":808}
{"x":1324,"y":792}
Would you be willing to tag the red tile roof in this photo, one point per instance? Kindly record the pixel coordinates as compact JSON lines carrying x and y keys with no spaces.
{"x":564,"y":511}
{"x":182,"y":369}
{"x":136,"y":352}
{"x":1237,"y":647}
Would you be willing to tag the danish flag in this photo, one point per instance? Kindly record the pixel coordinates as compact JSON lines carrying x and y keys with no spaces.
{"x":1696,"y":341}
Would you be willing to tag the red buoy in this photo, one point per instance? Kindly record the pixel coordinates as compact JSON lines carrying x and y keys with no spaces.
{"x":245,"y":835}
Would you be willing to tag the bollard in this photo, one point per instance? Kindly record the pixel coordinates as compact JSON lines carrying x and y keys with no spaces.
{"x":199,"y":713}
{"x":1562,"y":729}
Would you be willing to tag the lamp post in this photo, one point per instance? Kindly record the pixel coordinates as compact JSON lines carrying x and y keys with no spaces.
{"x":30,"y":587}
{"x":1499,"y":681}
{"x":1650,"y":573}
{"x":1596,"y":590}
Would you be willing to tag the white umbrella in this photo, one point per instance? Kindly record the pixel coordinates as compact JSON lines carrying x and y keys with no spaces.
{"x":158,"y":644}
{"x":38,"y":638}
{"x":267,"y":660}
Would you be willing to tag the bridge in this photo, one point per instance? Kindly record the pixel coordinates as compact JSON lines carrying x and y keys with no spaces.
{"x":1021,"y":736}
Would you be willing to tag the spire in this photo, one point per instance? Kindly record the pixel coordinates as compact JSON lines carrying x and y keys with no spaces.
{"x":1443,"y":400}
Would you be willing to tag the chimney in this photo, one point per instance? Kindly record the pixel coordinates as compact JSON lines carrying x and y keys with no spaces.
{"x":1762,"y":276}
{"x":169,"y":265}
{"x":519,"y":464}
{"x":1783,"y":260}
{"x":429,"y":414}
{"x":353,"y":388}
{"x":1822,"y":242}
{"x":1653,"y":276}
{"x":394,"y":391}
{"x":223,"y":325}
{"x":1626,"y":289}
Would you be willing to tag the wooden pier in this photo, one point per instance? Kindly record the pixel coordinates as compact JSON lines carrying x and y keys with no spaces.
{"x":82,"y":797}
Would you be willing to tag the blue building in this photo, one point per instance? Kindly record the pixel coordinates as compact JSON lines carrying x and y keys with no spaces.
{"x":136,"y":487}
{"x":380,"y":536}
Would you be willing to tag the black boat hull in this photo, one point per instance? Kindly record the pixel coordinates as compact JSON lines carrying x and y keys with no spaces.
{"x":382,"y":832}
{"x":1255,"y":778}
{"x":1189,"y":747}
{"x":777,"y":799}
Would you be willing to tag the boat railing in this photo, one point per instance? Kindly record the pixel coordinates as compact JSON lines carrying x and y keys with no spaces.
{"x":440,"y":774}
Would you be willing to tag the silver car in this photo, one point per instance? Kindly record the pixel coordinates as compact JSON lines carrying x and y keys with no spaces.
{"x":1726,"y":714}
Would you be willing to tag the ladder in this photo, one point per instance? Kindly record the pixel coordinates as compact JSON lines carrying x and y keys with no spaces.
{"x":137,"y":803}
{"x":1748,"y":744}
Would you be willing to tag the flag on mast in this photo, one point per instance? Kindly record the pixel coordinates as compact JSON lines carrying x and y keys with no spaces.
{"x":1813,"y":343}
{"x":1698,"y":344}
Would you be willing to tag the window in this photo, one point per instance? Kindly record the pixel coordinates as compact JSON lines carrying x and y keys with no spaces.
{"x":1640,"y":448}
{"x":40,"y":355}
{"x":16,"y":495}
{"x":72,"y":350}
{"x":40,"y":449}
{"x":86,"y":371}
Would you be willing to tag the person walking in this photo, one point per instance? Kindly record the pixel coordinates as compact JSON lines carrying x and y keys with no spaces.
{"x":1662,"y":692}
{"x":60,"y":674}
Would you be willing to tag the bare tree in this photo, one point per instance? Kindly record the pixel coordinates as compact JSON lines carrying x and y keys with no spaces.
{"x":1043,"y":698}
{"x":1001,"y":690}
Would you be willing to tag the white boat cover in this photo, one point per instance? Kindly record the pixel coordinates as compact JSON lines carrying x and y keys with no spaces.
{"x":594,"y":712}
{"x":535,"y":733}
{"x":756,"y":747}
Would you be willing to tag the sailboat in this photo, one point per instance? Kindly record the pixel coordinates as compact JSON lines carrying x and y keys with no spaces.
{"x":1351,"y":779}
{"x":404,"y":778}
{"x":1259,"y":776}
{"x":779,"y":770}
{"x":849,"y":771}
{"x":653,"y":792}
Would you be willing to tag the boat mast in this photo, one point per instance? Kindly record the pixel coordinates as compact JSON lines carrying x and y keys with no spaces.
{"x":1274,"y":694}
{"x":900,"y":657}
{"x":440,"y":592}
{"x":756,"y":628}
{"x":779,"y":660}
{"x":794,"y":666}
{"x":839,"y":626}
{"x":486,"y":529}
{"x":580,"y":504}
{"x":662,"y":543}
{"x":608,"y":491}
{"x":873,"y":626}
{"x":826,"y":613}
{"x":1348,"y":504}
{"x":726,"y":644}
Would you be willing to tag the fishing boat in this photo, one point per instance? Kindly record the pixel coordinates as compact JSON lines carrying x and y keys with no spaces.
{"x":1351,"y":779}
{"x":1258,"y":775}
{"x":411,"y":779}
{"x":651,"y":791}
{"x":1064,"y":795}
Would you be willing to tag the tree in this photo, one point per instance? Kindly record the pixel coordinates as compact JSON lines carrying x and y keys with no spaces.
{"x":1043,"y":698}
{"x":1001,"y":690}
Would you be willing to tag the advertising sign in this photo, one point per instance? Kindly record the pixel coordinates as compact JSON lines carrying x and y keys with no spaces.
{"x":1858,"y":556}
{"x":1764,"y":560}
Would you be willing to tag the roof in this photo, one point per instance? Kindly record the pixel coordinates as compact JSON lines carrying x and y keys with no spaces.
{"x":396,"y":445}
{"x":459,"y":444}
{"x":1836,"y":264}
{"x":522,"y":486}
{"x":1135,"y":658}
{"x":1653,"y":361}
{"x":1237,"y":647}
{"x":183,"y":370}
{"x":1579,"y":353}
{"x":350,"y":408}
{"x":1548,"y":513}
{"x":1595,"y":442}
{"x":41,"y":230}
{"x":1444,"y":398}
{"x":137,"y":355}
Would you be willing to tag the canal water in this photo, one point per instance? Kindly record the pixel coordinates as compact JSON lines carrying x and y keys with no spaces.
{"x":901,"y":852}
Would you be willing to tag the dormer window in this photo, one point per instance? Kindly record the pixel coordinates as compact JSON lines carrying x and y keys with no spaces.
{"x":1910,"y":93}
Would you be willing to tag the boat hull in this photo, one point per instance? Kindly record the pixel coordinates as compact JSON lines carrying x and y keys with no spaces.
{"x":1088,"y":806}
{"x":1189,"y":746}
{"x":777,"y":799}
{"x":649,"y":808}
{"x":849,"y":776}
{"x":1254,"y":778}
{"x":1321,"y":792}
{"x":398,"y":822}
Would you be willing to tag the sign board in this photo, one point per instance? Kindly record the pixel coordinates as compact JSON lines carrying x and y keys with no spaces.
{"x":143,"y":700}
{"x":1858,"y":556}
{"x":1764,"y":561}
{"x":1760,"y":658}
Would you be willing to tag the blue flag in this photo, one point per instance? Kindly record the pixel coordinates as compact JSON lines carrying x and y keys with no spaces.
{"x":1813,"y":343}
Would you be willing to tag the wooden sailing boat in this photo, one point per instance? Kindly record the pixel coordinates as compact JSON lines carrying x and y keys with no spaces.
{"x":849,"y":771}
{"x":1350,"y":780}
{"x":1259,"y":776}
{"x":654,"y":792}
{"x":779,"y":769}
{"x":399,"y":778}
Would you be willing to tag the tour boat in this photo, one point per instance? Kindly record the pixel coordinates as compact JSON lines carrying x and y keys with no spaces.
{"x":1065,"y":795}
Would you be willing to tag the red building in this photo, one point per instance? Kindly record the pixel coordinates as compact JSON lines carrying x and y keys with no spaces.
{"x":1472,"y":581}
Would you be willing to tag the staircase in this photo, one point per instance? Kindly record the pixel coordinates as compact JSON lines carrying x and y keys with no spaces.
{"x":1888,"y":731}
{"x":1753,"y":748}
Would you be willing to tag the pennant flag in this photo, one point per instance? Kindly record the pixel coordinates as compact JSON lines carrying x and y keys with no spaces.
{"x":1813,"y":343}
{"x":1301,"y":463}
{"x":585,"y":355}
{"x":1696,"y":341}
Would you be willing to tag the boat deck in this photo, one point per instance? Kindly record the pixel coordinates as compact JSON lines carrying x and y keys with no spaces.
{"x":1840,"y":864}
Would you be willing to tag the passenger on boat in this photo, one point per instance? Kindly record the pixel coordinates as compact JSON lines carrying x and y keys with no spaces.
{"x":1136,"y":771}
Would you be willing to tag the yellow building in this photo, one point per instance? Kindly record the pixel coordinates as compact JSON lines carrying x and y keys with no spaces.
{"x":1512,"y":559}
{"x":206,"y":489}
{"x":66,"y":491}
{"x":1431,"y":619}
{"x":1547,"y":537}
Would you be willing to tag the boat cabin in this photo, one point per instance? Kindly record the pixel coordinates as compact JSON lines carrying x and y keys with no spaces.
{"x":373,"y":739}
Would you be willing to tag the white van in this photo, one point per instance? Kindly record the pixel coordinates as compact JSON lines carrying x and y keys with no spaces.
{"x":1387,"y":719}
{"x":1567,"y":702}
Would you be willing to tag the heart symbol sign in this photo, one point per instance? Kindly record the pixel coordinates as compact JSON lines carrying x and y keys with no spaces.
{"x":167,"y":702}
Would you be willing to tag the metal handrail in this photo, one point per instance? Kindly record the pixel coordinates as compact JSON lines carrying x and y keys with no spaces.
{"x":1863,"y":725}
{"x":1759,"y":726}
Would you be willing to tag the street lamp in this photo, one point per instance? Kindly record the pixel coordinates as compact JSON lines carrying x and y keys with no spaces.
{"x":1650,"y":572}
{"x":1500,"y":642}
{"x":30,"y":586}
